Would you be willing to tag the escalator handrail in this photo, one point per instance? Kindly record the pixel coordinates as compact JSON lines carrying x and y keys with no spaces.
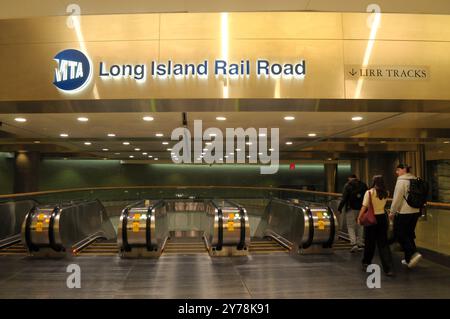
{"x":329,"y":244}
{"x":125,"y":245}
{"x":309,"y":242}
{"x":51,"y":229}
{"x":148,"y":231}
{"x":77,"y":247}
{"x":241,"y":244}
{"x":9,"y":241}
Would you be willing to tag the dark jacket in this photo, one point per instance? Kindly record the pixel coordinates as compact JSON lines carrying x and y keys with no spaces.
{"x":353,"y":195}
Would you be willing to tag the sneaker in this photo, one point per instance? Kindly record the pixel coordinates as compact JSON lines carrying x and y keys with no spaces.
{"x":404,"y":262}
{"x":414,"y":260}
{"x":354,"y":249}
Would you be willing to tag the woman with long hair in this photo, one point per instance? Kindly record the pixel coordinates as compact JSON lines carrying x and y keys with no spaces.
{"x":376,"y":235}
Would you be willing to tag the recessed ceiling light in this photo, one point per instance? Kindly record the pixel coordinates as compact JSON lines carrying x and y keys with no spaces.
{"x":87,"y":143}
{"x":126,"y":143}
{"x":312,"y":134}
{"x":248,"y":156}
{"x":116,"y":153}
{"x":169,"y":149}
{"x":137,"y":149}
{"x":208,"y":143}
{"x":226,"y":156}
{"x":131,"y":156}
{"x":357,"y":118}
{"x":262,"y":134}
{"x":111,"y":135}
{"x":260,"y":153}
{"x":64,"y":135}
{"x":148,"y":118}
{"x":248,"y":143}
{"x":155,"y":158}
{"x":203,"y":153}
{"x":446,"y":142}
{"x":271,"y":149}
{"x":205,"y":149}
{"x":150,"y":156}
{"x":231,"y":153}
{"x":144,"y":153}
{"x":289,"y":118}
{"x":330,"y":159}
{"x":238,"y":150}
{"x":82,"y":119}
{"x":105,"y":150}
{"x":221,"y":118}
{"x":20,"y":119}
{"x":172,"y":153}
{"x":289,"y":143}
{"x":37,"y":142}
{"x":159,"y":134}
{"x":165,"y":143}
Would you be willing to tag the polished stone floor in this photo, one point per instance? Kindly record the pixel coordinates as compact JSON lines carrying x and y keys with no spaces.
{"x":199,"y":276}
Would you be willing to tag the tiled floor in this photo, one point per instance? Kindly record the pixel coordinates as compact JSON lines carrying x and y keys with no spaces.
{"x":199,"y":276}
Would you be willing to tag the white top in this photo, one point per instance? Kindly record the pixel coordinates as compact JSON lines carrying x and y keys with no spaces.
{"x":378,"y":204}
{"x":399,"y":203}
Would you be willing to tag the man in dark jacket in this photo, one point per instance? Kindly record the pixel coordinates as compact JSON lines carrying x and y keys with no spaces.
{"x":352,"y":198}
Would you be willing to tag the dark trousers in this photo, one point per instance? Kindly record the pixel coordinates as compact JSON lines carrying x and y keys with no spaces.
{"x":376,"y":235}
{"x":405,"y":229}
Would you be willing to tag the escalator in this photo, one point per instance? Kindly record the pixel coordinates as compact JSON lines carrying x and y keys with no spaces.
{"x":297,"y":226}
{"x":64,"y":229}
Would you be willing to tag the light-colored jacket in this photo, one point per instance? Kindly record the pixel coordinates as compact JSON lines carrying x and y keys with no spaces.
{"x":399,"y":203}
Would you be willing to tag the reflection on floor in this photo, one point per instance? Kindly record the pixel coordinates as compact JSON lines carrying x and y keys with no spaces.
{"x":200,"y":276}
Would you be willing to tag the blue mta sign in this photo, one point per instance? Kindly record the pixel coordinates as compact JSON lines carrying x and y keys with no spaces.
{"x":73,"y":71}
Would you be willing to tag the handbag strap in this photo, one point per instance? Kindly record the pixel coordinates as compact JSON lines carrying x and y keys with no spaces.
{"x":370,"y":200}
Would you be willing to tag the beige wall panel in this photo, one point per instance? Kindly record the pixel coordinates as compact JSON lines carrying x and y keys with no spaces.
{"x":397,"y":27}
{"x":93,"y":28}
{"x":258,"y":25}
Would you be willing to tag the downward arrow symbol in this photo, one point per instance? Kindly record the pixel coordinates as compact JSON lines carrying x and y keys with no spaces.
{"x":353,"y":72}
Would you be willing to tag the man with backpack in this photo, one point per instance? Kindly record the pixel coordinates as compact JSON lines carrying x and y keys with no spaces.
{"x":352,"y":198}
{"x":410,"y":196}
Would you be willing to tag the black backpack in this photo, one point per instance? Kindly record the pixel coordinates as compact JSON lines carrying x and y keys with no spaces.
{"x":418,"y":193}
{"x":357,"y":192}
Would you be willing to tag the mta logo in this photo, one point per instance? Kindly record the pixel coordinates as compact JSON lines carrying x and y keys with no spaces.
{"x":73,"y":71}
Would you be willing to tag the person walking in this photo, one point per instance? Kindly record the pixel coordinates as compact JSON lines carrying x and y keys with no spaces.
{"x":376,"y":235}
{"x":352,"y":198}
{"x":407,"y":215}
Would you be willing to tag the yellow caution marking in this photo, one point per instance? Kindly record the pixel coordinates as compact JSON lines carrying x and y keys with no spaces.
{"x":47,"y":220}
{"x":137,"y":216}
{"x":319,"y":215}
{"x":230,"y":226}
{"x":40,"y":217}
{"x":135,"y":227}
{"x":39,"y":227}
{"x":321,"y":224}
